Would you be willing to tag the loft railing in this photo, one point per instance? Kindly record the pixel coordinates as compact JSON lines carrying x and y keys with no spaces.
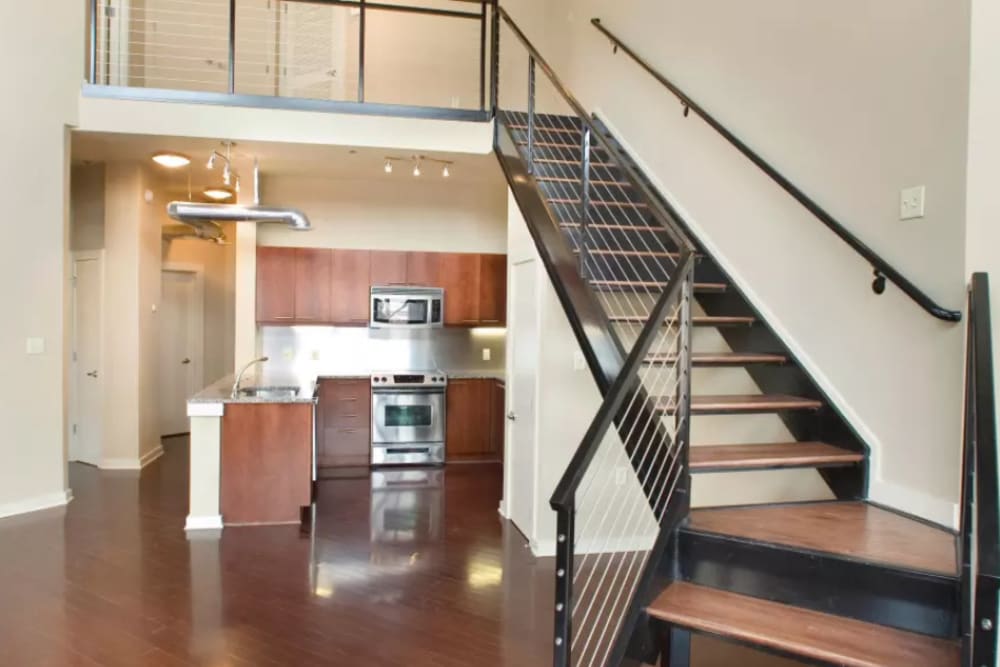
{"x":881,"y":268}
{"x":626,"y":487}
{"x":388,"y":58}
{"x":980,"y":547}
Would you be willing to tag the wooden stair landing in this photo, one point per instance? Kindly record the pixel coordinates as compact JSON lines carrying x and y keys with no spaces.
{"x":854,"y":530}
{"x":718,"y":458}
{"x":799,"y":632}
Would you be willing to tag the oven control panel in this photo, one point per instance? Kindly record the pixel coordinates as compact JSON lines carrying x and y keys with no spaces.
{"x":426,"y":379}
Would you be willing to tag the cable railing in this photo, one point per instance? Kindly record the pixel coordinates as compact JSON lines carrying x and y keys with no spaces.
{"x":980,"y":546}
{"x":626,"y":487}
{"x":881,"y":269}
{"x":428,"y":59}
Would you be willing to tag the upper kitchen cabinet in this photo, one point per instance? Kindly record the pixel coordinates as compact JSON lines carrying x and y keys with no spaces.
{"x":388,"y":267}
{"x":312,"y":280}
{"x":459,"y":276}
{"x":276,"y":278}
{"x":493,"y":290}
{"x":350,"y":287}
{"x":423,"y":268}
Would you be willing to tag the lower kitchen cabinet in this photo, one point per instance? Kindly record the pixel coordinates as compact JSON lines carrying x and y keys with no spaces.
{"x":472,"y":420}
{"x":343,"y":423}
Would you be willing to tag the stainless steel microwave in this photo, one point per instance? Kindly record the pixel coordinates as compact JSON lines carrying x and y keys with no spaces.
{"x":406,"y":307}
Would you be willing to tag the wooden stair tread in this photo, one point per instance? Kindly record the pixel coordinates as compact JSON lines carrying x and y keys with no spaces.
{"x":706,"y":458}
{"x":855,"y":530}
{"x":721,"y":358}
{"x":800,"y":632}
{"x":726,"y":403}
{"x":697,"y":320}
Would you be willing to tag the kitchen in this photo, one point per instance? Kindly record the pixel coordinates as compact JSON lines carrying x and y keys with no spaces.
{"x":375,"y":359}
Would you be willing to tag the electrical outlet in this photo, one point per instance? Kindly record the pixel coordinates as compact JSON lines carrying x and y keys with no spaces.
{"x":911,"y":202}
{"x":487,"y":354}
{"x":34,"y":346}
{"x":579,"y":363}
{"x":315,"y":355}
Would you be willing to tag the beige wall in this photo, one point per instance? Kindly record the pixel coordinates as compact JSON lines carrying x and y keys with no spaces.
{"x":132,"y":294}
{"x":87,"y":207}
{"x":218,"y":265}
{"x":854,"y":110}
{"x":391,"y":212}
{"x":39,"y":101}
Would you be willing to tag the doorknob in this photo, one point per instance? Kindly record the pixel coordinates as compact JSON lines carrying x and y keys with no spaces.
{"x":511,"y":416}
{"x":186,"y":361}
{"x":92,"y":374}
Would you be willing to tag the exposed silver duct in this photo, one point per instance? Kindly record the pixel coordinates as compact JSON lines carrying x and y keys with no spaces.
{"x":198,"y":214}
{"x":206,"y":231}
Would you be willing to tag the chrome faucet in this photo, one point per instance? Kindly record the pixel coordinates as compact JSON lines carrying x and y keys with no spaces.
{"x":239,"y":376}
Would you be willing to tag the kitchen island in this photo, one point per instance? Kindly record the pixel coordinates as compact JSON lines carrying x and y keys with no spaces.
{"x":251,"y":454}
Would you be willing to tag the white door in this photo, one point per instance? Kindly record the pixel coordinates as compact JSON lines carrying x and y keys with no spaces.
{"x":180,"y":348}
{"x":522,"y":461}
{"x":87,"y":383}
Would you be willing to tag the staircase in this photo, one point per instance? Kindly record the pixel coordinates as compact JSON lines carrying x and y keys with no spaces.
{"x":833,"y":580}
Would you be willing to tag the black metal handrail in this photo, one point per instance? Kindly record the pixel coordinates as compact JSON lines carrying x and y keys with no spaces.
{"x":980,"y":504}
{"x":882,"y":269}
{"x":98,"y":82}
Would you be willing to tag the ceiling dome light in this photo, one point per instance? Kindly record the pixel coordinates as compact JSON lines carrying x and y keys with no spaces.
{"x":171,"y":160}
{"x":416,"y":169}
{"x":445,"y":173}
{"x":218,"y":194}
{"x":388,"y":166}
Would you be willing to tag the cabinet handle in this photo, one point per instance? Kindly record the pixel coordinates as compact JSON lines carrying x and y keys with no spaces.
{"x":490,"y":321}
{"x":283,"y":317}
{"x":347,"y":398}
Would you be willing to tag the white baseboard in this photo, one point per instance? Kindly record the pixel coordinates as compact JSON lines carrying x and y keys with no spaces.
{"x":502,"y":509}
{"x":628,"y":544}
{"x":133,"y":464}
{"x":37,"y":503}
{"x":212,"y":522}
{"x":932,"y":508}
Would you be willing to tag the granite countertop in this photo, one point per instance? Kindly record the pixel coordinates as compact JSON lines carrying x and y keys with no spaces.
{"x":477,"y":375}
{"x":221,"y":391}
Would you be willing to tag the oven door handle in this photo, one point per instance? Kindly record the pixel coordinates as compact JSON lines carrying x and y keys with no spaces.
{"x":407,"y":390}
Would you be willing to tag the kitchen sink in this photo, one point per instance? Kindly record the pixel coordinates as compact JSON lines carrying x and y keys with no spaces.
{"x":269,"y":392}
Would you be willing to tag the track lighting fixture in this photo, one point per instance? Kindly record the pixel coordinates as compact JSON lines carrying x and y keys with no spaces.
{"x":417,"y":161}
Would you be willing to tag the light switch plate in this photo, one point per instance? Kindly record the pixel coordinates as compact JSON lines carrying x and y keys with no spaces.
{"x":34,"y":345}
{"x":487,"y":354}
{"x":911,"y":202}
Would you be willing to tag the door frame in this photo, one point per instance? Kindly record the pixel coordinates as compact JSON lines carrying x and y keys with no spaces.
{"x":509,"y":440}
{"x":74,"y":388}
{"x":199,"y":318}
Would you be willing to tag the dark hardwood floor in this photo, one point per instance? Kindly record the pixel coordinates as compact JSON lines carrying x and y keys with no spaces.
{"x":422,"y":573}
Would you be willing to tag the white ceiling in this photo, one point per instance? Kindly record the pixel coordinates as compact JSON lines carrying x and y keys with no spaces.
{"x":334,"y":162}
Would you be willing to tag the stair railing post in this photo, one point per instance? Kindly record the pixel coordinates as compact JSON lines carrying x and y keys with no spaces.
{"x":565,"y":538}
{"x":495,"y":58}
{"x":584,"y":200}
{"x":531,"y":114}
{"x":231,"y":85}
{"x":92,"y":70}
{"x":683,"y":435}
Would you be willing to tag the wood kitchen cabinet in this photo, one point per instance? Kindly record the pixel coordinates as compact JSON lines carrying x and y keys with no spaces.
{"x":459,"y":275}
{"x":276,"y":285}
{"x":343,"y":423}
{"x":350,"y":286}
{"x":468,"y":435}
{"x":388,"y":267}
{"x":312,"y":280}
{"x":423,"y":268}
{"x":493,"y":290}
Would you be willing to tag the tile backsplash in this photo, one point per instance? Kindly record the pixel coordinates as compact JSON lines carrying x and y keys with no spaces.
{"x":310,"y":351}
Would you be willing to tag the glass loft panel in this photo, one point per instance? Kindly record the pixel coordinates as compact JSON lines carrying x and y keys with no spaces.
{"x":297,"y":49}
{"x":422,"y":59}
{"x":175,"y":44}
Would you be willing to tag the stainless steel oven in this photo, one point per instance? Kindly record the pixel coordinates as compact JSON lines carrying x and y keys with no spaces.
{"x":408,"y":418}
{"x":406,"y":307}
